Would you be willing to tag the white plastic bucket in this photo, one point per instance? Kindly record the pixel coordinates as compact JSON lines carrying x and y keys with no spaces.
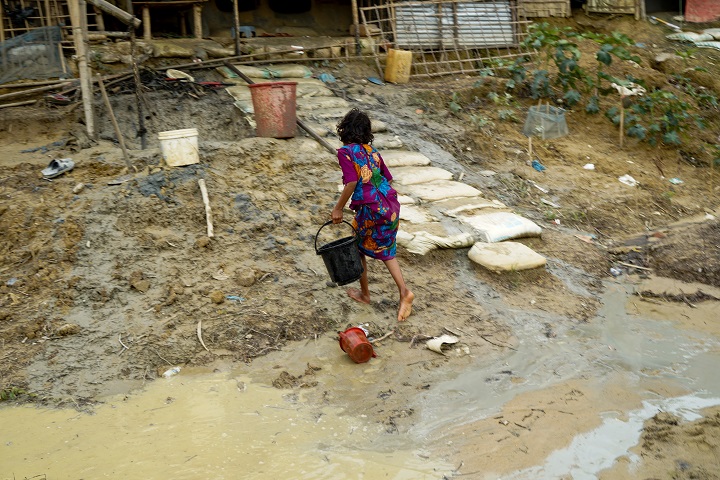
{"x":179,"y":147}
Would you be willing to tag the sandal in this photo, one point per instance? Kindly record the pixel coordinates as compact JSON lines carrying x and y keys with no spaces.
{"x":58,"y":167}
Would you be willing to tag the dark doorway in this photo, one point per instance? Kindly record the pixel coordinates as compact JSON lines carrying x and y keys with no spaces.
{"x":290,"y":6}
{"x":653,"y":6}
{"x":243,"y":5}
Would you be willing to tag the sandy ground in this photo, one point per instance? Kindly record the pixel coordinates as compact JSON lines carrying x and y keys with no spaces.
{"x":107,"y":276}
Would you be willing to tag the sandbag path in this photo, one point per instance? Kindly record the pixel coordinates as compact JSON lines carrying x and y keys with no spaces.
{"x":438,"y":210}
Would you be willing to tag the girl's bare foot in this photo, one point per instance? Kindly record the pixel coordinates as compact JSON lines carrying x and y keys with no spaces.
{"x":405,"y":308}
{"x":358,"y":296}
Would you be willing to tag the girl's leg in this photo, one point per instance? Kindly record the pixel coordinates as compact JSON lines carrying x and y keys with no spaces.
{"x":362,"y":295}
{"x":406,"y":296}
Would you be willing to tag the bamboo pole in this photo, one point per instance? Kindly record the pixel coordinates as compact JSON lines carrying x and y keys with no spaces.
{"x":99,"y":20}
{"x":80,"y":49}
{"x":118,"y":133}
{"x":119,"y":13}
{"x":197,"y":21}
{"x":356,"y":24}
{"x":2,"y":25}
{"x":147,"y":31}
{"x":622,"y":123}
{"x":18,"y":104}
{"x":32,"y":91}
{"x":30,"y":84}
{"x":236,"y":21}
{"x":88,"y":74}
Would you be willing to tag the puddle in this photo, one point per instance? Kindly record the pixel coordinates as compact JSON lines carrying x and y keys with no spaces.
{"x":205,"y":425}
{"x":597,"y":450}
{"x":219,"y":425}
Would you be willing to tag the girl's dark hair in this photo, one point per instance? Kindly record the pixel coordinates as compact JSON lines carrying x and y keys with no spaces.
{"x":355,"y":128}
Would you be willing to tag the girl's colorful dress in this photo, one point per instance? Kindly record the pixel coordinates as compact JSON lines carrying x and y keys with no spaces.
{"x":375,"y":202}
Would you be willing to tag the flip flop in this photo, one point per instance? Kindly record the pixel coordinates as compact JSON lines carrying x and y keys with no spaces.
{"x":57,"y":167}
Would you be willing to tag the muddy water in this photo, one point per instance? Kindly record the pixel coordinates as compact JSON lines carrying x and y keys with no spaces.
{"x":224,"y":424}
{"x":204,"y":425}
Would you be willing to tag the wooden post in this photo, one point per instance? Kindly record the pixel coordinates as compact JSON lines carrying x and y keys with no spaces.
{"x":147,"y":31}
{"x":236,"y":20}
{"x":99,"y":20}
{"x":197,"y":20}
{"x":47,"y":13}
{"x":622,"y":123}
{"x":356,"y":24}
{"x":2,"y":25}
{"x":88,"y":74}
{"x":83,"y":69}
{"x":118,"y":133}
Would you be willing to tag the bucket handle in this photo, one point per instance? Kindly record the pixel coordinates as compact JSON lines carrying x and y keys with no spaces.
{"x":325,"y":225}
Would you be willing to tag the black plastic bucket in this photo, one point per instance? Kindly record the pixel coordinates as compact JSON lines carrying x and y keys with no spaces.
{"x":341,"y":257}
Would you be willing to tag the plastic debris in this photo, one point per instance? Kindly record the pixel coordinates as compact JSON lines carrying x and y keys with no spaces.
{"x":538,"y":166}
{"x":628,"y":180}
{"x":629,"y":90}
{"x":435,"y":344}
{"x":589,"y":166}
{"x":172,"y":372}
{"x":11,"y":282}
{"x":615,"y":272}
{"x":675,"y":181}
{"x":326,"y":78}
{"x":376,"y":81}
{"x":234,"y":298}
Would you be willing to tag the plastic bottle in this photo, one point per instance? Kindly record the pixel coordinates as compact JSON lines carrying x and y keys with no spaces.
{"x":172,"y":372}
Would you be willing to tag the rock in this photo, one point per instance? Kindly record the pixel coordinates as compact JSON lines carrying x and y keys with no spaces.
{"x":138,"y":282}
{"x":141,"y":286}
{"x":78,"y":188}
{"x":68,"y":329}
{"x":202,"y":242}
{"x":217,"y":297}
{"x":245,"y":278}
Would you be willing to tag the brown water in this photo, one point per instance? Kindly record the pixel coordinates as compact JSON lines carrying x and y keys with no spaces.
{"x":203,"y":425}
{"x":224,"y":424}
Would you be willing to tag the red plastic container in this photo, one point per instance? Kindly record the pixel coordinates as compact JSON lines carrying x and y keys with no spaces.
{"x":354,"y":342}
{"x":274,"y":105}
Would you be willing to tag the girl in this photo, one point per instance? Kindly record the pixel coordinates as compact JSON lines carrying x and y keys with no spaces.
{"x":377,"y":210}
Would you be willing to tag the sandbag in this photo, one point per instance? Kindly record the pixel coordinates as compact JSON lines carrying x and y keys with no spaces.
{"x":439,"y":190}
{"x":499,"y":226}
{"x":469,"y":206}
{"x":415,"y":214}
{"x":415,"y":175}
{"x":424,"y":242}
{"x":316,"y":103}
{"x":404,"y":158}
{"x":505,"y":256}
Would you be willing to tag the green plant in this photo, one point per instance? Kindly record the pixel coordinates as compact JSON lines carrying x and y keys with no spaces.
{"x":661,"y":117}
{"x":508,"y":115}
{"x":550,"y":215}
{"x":12,"y":393}
{"x":480,"y":121}
{"x":454,"y":104}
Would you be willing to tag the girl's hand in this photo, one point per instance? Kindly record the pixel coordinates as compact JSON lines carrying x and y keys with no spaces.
{"x":337,"y":215}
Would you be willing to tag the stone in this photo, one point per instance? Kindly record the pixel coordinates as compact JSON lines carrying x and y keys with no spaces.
{"x":217,"y":297}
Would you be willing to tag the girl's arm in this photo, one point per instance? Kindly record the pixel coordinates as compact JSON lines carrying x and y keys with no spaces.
{"x":337,"y":212}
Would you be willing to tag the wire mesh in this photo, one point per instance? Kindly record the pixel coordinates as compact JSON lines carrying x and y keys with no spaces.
{"x":449,"y":36}
{"x":34,"y":55}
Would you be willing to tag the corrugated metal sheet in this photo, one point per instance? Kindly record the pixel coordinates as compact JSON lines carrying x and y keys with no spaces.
{"x":448,"y":25}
